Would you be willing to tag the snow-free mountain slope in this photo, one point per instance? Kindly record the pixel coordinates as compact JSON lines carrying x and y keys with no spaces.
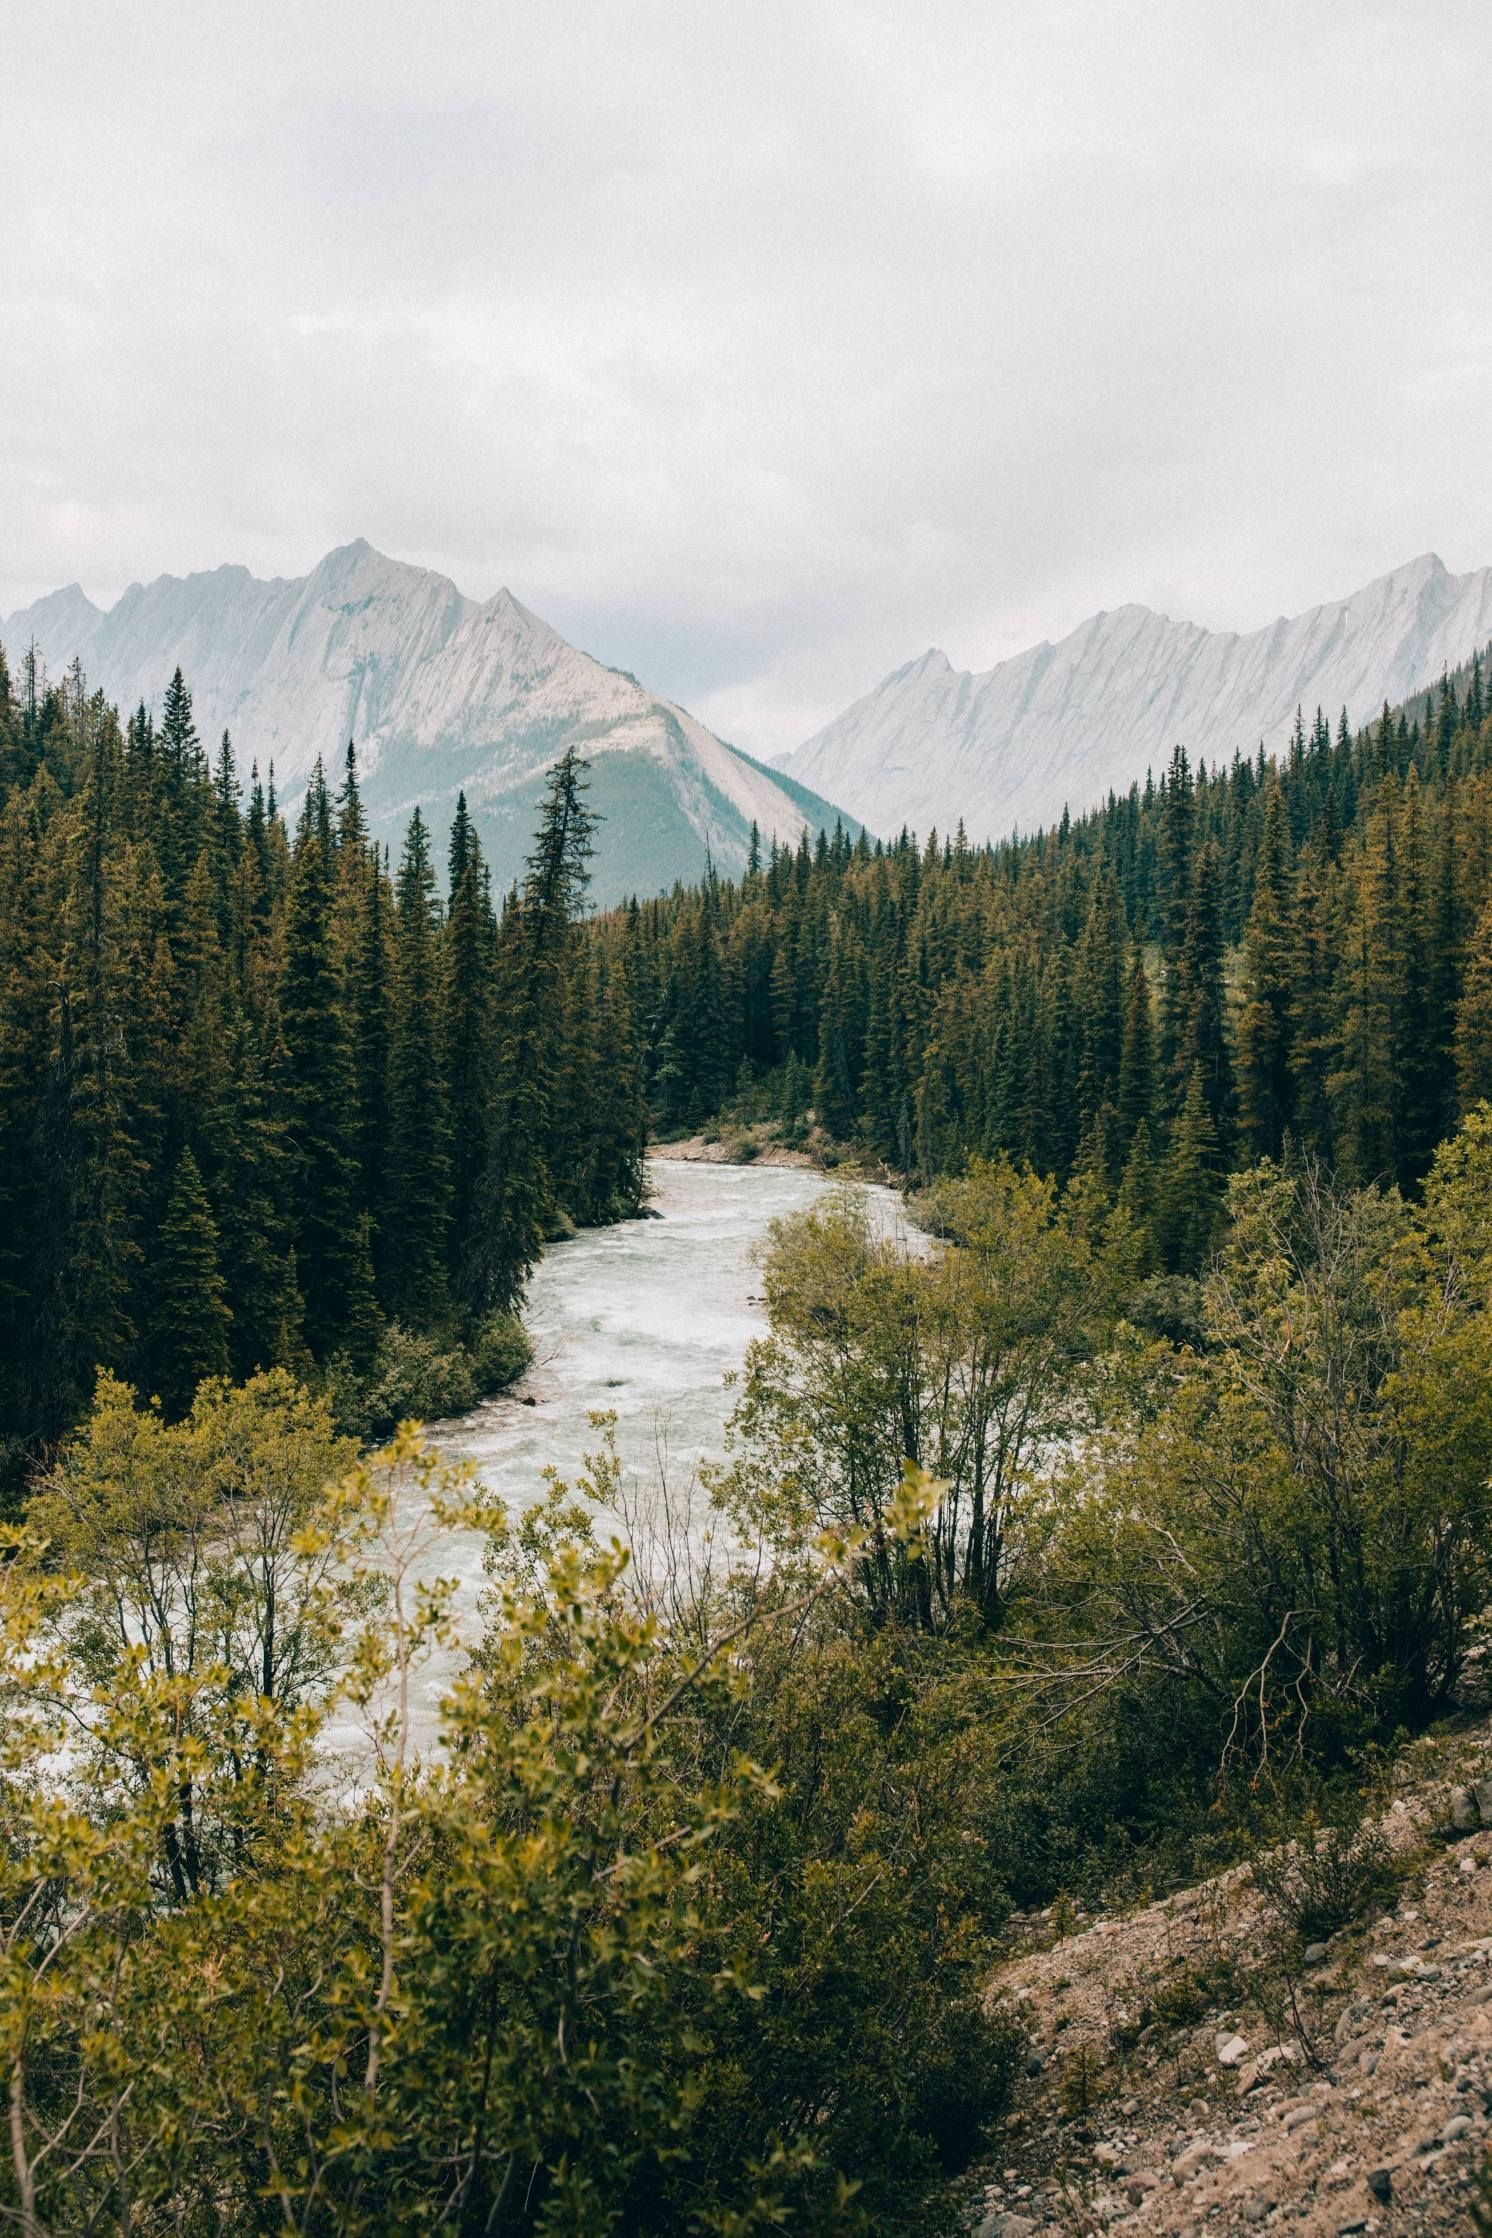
{"x":1061,"y":724}
{"x":441,"y":694}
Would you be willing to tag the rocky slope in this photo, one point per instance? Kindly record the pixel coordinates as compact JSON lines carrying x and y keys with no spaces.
{"x":440,"y":693}
{"x":1191,"y":2070}
{"x":1062,"y":724}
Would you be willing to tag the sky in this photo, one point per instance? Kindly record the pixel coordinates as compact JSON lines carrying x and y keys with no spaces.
{"x":756,"y":347}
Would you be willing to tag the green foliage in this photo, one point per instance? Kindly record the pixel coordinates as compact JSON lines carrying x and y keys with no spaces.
{"x":1293,"y":1525}
{"x":415,"y":1377}
{"x":973,"y":1361}
{"x":681,"y":1932}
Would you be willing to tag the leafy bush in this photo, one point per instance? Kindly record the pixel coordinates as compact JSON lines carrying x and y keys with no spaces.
{"x":683,"y":1932}
{"x":1325,"y":1878}
{"x":420,"y":1378}
{"x":499,"y":1353}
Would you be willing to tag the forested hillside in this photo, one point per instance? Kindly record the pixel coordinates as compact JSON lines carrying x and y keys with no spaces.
{"x":1217,"y":963}
{"x":267,"y":1100}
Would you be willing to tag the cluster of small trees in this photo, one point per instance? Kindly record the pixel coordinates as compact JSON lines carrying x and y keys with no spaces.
{"x":1174,"y":986}
{"x":679,"y":1934}
{"x":260,"y":1098}
{"x":1272,"y":1542}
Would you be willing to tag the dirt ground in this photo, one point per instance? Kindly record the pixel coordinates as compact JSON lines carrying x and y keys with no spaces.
{"x":1193,"y":2069}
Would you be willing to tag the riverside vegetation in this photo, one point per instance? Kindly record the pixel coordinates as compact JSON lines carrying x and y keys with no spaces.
{"x":1067,"y":1546}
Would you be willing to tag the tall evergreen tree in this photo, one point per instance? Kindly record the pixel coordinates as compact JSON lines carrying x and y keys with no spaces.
{"x":189,"y":1327}
{"x":419,"y":1165}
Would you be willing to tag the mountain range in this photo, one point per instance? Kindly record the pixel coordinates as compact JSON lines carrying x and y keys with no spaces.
{"x":1061,"y":724}
{"x":441,"y":694}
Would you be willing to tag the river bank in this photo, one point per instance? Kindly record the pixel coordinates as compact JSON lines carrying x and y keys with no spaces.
{"x":760,"y":1144}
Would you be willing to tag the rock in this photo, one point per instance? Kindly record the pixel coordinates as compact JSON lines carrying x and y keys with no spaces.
{"x":1482,"y":1797}
{"x":1380,"y":2183}
{"x":1192,"y":2159}
{"x":1465,"y":1817}
{"x":1298,"y":2117}
{"x":1313,"y":1954}
{"x":1230,"y":2050}
{"x":1035,"y":2064}
{"x":1138,"y":2187}
{"x":1110,"y":2157}
{"x":1006,"y":2226}
{"x":1258,"y":2207}
{"x":1456,"y":2127}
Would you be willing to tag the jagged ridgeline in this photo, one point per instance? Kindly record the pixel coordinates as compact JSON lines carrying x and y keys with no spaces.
{"x":1217,"y":964}
{"x":267,"y":1098}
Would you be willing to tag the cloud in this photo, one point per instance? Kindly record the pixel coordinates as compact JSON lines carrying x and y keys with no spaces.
{"x":755,"y":348}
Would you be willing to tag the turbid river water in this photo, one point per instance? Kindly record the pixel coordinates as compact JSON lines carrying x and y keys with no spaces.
{"x":645,"y":1320}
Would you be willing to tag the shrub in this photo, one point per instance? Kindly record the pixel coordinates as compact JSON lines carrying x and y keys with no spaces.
{"x":499,"y":1353}
{"x":1326,"y":1878}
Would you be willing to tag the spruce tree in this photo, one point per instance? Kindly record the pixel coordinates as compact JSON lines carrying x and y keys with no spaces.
{"x":1474,"y":1018}
{"x":188,"y":1333}
{"x":419,"y":1165}
{"x":1264,"y":1027}
{"x":468,"y":964}
{"x":1188,"y":1191}
{"x":516,"y":1205}
{"x":317,"y":1100}
{"x":1136,"y":1095}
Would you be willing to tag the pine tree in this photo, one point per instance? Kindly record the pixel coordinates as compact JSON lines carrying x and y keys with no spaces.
{"x":188,"y":1335}
{"x":1474,"y":1018}
{"x":1264,"y":1050}
{"x":1136,"y":1096}
{"x":1199,"y":1034}
{"x":419,"y":1166}
{"x":1188,"y":1190}
{"x":316,"y":1083}
{"x":468,"y":965}
{"x":517,"y":1199}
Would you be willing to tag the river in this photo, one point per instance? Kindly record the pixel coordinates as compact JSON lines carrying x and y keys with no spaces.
{"x":646,"y":1320}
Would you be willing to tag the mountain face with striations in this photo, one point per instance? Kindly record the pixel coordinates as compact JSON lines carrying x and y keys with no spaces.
{"x":440,"y":695}
{"x":1062,"y":724}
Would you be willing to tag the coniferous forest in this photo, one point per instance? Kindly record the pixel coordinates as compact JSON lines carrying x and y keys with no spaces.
{"x":1223,"y":962}
{"x":268,"y":1099}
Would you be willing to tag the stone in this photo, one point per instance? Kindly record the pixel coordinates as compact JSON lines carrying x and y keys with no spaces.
{"x":1380,"y":2183}
{"x":1258,"y":2207}
{"x":1138,"y":2187}
{"x":1231,"y":2050}
{"x":1482,"y":1797}
{"x":1035,"y":2064}
{"x":1298,"y":2116}
{"x":1456,"y":2127}
{"x":1465,"y":1817}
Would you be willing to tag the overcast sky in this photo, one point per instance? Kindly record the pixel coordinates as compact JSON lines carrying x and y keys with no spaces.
{"x":757,"y":347}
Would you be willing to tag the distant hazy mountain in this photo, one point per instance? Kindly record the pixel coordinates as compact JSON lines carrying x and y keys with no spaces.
{"x":1063,"y":723}
{"x":440,"y":695}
